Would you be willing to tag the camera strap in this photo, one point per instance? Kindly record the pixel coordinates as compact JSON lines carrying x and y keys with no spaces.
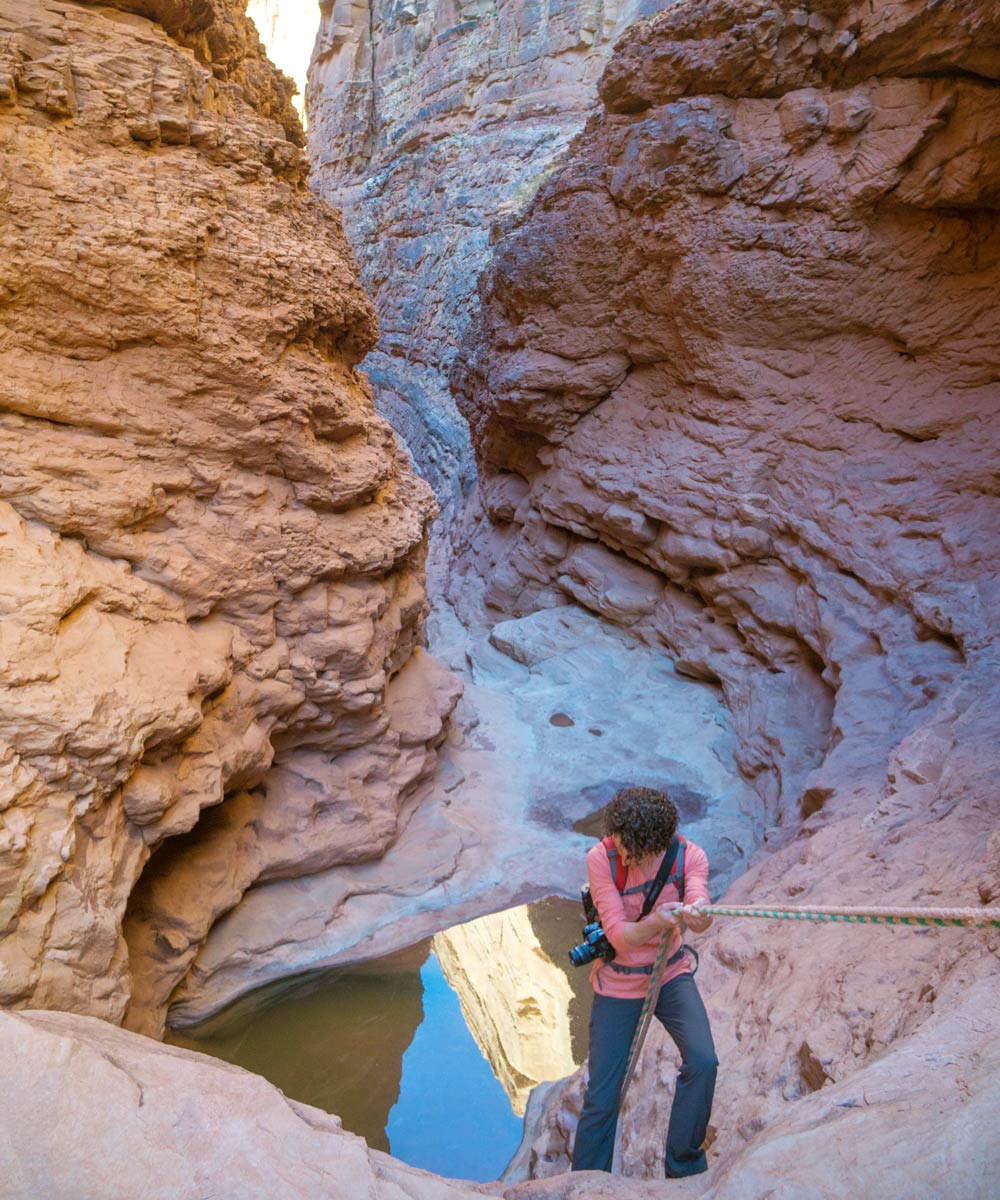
{"x":663,"y":874}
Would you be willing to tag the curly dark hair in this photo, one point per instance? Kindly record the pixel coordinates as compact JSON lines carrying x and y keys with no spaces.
{"x":645,"y":820}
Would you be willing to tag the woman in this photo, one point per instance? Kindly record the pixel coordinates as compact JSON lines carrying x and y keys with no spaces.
{"x":642,"y":824}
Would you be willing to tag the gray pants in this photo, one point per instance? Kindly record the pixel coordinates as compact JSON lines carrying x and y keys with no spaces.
{"x":680,"y":1010}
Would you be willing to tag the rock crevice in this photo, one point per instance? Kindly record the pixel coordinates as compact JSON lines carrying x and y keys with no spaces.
{"x":433,"y":124}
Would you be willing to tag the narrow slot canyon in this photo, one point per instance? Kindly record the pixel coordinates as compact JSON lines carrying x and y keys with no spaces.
{"x":548,"y":399}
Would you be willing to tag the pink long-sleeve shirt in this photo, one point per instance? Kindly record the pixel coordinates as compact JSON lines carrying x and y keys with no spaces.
{"x":616,"y":909}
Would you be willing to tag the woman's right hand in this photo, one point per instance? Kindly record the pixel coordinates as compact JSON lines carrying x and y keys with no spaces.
{"x":665,"y":918}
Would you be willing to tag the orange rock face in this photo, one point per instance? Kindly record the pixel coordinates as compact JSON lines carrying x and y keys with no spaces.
{"x":211,"y":553}
{"x":735,"y":389}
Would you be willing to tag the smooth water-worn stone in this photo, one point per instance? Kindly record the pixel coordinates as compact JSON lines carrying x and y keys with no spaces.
{"x":500,"y":826}
{"x":181,"y":1123}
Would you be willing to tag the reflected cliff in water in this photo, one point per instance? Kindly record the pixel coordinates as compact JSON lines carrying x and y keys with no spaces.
{"x":515,"y":993}
{"x":430,"y":1053}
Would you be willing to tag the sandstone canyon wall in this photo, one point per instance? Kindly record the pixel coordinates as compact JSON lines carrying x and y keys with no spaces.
{"x":734,"y":387}
{"x":211,"y":553}
{"x":431,"y":124}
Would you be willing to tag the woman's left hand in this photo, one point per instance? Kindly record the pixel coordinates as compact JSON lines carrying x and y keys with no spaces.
{"x":695,"y":919}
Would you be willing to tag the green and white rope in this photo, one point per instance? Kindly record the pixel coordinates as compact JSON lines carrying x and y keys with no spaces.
{"x":974,"y":918}
{"x":927,"y":918}
{"x":641,"y":1029}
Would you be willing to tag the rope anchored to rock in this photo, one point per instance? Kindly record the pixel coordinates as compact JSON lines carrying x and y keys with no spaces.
{"x":928,"y":918}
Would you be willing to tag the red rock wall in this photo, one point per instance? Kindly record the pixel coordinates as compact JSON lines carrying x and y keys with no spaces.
{"x":211,"y":558}
{"x":735,"y":388}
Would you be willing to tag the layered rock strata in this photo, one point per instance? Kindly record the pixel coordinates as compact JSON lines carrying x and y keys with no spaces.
{"x":431,"y":124}
{"x":734,"y":388}
{"x":211,"y":558}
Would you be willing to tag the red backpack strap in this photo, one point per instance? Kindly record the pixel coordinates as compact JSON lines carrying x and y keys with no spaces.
{"x":618,"y":868}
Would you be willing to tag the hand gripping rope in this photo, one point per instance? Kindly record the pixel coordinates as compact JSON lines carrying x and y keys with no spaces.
{"x":968,"y":918}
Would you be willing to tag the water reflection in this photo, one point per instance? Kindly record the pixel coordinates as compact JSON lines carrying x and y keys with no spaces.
{"x":430,"y":1060}
{"x":334,"y":1040}
{"x":452,"y":1116}
{"x":557,"y":924}
{"x":514,"y":998}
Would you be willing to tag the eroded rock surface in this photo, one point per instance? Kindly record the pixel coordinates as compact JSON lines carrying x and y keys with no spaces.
{"x":211,"y":558}
{"x":498,"y":825}
{"x":734,"y":388}
{"x":431,"y":124}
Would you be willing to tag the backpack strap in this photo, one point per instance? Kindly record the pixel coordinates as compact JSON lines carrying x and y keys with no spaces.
{"x":666,"y":872}
{"x":618,"y":868}
{"x":671,"y":871}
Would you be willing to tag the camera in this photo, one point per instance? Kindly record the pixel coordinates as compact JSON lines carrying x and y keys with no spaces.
{"x":595,"y":943}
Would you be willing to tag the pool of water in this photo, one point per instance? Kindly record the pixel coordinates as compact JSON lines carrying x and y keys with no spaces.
{"x":430,"y":1053}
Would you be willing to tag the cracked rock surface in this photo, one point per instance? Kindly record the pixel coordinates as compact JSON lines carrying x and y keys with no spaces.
{"x":432,"y":124}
